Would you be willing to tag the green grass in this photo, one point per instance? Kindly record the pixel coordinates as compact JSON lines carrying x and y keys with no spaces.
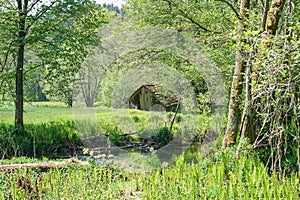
{"x":51,"y":126}
{"x":41,"y":112}
{"x":35,"y":114}
{"x":126,"y":120}
{"x":212,"y":178}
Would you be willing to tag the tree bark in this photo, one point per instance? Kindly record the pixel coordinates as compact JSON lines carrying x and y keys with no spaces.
{"x":273,"y":18}
{"x":22,"y":8}
{"x":234,"y":112}
{"x":247,"y":112}
{"x":265,"y":13}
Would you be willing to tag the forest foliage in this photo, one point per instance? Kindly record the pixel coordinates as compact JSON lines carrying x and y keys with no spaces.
{"x":61,"y":49}
{"x":261,"y":40}
{"x":52,"y":50}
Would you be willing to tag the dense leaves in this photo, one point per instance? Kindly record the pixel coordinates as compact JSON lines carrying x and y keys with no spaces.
{"x":264,"y":38}
{"x":58,"y":34}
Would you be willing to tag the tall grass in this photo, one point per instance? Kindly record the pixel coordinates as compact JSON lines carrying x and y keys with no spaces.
{"x":213,"y":178}
{"x":41,"y":139}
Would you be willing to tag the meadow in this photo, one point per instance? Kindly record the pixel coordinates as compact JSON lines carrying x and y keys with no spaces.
{"x":51,"y":131}
{"x":51,"y":126}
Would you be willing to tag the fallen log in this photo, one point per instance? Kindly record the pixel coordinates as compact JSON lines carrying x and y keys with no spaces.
{"x":44,"y":166}
{"x":128,"y":134}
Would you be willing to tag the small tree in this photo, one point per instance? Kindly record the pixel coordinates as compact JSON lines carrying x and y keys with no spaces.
{"x":90,"y":75}
{"x":59,"y":30}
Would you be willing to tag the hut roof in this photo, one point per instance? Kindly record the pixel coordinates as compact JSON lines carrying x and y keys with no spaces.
{"x":163,"y":94}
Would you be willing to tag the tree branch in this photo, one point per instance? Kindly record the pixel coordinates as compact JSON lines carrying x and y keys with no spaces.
{"x":50,"y":43}
{"x":43,"y":11}
{"x":32,"y":5}
{"x":6,"y":56}
{"x":232,"y":8}
{"x":185,"y":15}
{"x":32,"y":68}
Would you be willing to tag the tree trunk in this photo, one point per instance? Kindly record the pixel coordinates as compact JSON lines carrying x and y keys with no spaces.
{"x":246,"y":125}
{"x":270,"y":22}
{"x":19,"y":91}
{"x":22,"y":8}
{"x":234,"y":112}
{"x":273,"y":18}
{"x":265,"y":13}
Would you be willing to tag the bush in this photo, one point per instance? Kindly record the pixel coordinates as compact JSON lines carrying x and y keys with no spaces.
{"x":164,"y":136}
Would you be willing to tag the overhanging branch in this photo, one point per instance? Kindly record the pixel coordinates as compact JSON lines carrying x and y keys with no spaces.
{"x":185,"y":15}
{"x":232,"y":8}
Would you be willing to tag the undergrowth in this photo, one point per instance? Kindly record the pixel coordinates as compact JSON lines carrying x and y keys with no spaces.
{"x":217,"y":177}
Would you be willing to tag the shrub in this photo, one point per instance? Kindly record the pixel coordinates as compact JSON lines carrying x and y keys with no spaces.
{"x":164,"y":136}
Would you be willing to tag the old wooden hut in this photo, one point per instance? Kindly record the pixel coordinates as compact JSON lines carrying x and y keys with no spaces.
{"x":153,"y":97}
